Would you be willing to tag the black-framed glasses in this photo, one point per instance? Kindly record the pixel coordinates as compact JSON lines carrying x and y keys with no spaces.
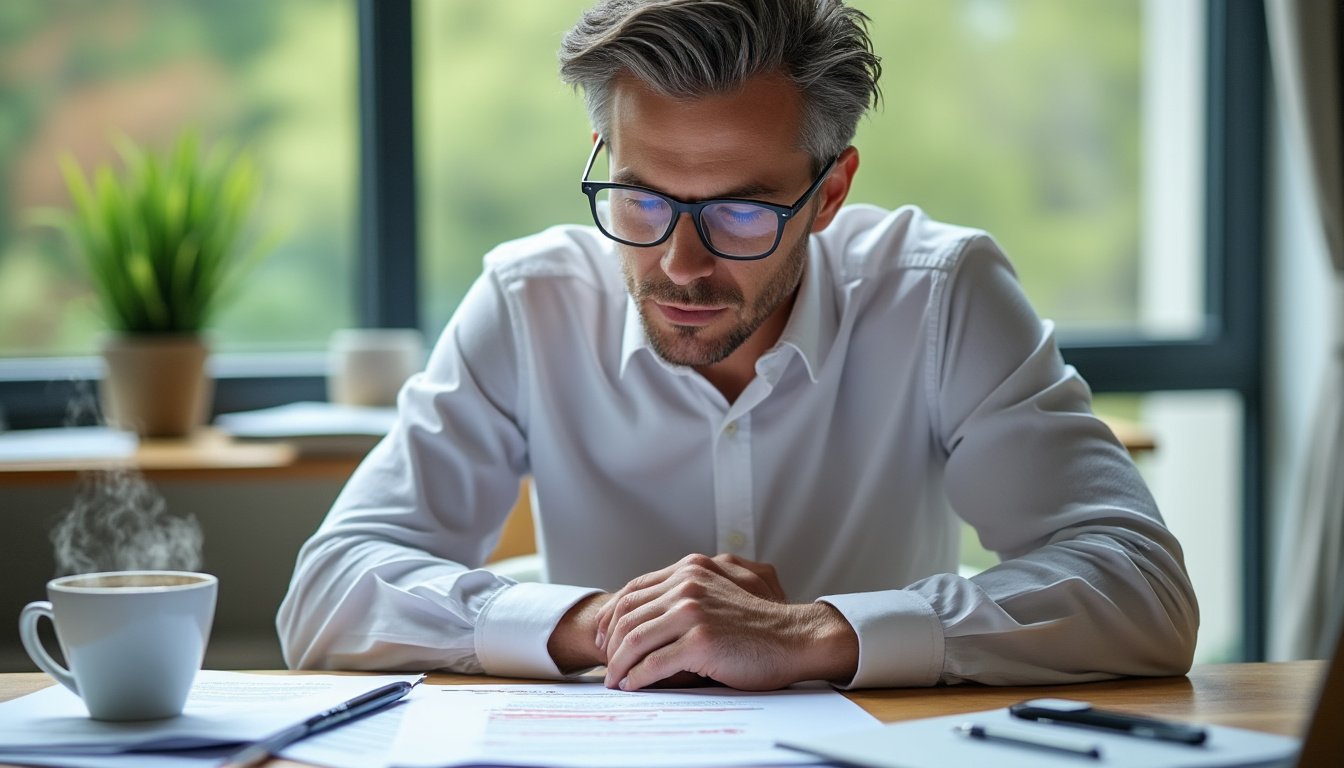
{"x":730,"y":228}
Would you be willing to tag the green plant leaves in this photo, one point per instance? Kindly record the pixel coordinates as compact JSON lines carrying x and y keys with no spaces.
{"x":161,"y":240}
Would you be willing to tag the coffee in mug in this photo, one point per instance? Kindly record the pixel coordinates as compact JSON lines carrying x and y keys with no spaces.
{"x":134,"y":640}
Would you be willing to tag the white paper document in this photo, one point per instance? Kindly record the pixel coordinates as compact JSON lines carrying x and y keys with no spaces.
{"x":363,"y":743}
{"x":936,"y":743}
{"x":66,"y":444}
{"x":585,"y":724}
{"x":209,"y":757}
{"x":223,"y":708}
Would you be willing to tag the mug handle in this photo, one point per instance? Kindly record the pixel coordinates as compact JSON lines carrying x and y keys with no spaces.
{"x":28,"y":619}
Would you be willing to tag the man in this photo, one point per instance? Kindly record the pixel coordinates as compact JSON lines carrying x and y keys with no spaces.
{"x":751,"y":416}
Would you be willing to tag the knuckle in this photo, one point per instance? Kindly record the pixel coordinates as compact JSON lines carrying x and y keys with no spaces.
{"x":690,"y":590}
{"x":626,"y":603}
{"x":623,"y":626}
{"x":699,"y":638}
{"x":691,"y":610}
{"x":698,"y":561}
{"x":638,"y":638}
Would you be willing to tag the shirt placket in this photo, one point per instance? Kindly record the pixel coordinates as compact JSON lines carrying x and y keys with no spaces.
{"x":735,"y":524}
{"x":734,"y":505}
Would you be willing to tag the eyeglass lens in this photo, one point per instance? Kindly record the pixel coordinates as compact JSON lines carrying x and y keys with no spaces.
{"x":734,"y":229}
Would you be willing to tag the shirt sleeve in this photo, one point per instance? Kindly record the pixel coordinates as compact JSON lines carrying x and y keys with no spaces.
{"x":393,"y":578}
{"x":1091,"y":584}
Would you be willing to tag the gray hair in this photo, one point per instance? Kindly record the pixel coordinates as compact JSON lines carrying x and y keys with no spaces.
{"x":694,"y":48}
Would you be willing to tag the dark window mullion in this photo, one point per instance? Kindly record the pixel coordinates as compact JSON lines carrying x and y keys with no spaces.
{"x":1238,"y":75}
{"x":1218,"y":363}
{"x":388,"y":294}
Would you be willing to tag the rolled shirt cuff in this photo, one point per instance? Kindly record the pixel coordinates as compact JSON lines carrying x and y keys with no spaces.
{"x":514,"y":628}
{"x":900,"y":638}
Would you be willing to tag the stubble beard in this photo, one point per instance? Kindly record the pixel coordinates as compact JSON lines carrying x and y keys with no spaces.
{"x":696,"y":346}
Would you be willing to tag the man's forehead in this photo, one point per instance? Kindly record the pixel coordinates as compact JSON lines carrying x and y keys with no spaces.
{"x":719,"y":139}
{"x":763,"y":101}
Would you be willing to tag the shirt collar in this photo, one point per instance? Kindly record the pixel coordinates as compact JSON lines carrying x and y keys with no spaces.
{"x":813,"y":324}
{"x":634,"y":338}
{"x":811,"y":328}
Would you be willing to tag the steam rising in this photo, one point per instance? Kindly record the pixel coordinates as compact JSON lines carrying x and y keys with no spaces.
{"x":119,"y":522}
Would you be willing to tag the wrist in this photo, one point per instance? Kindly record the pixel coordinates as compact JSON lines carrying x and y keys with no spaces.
{"x":573,"y":643}
{"x":830,"y":645}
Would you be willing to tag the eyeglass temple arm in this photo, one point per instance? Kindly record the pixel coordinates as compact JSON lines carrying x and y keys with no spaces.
{"x":592,"y":158}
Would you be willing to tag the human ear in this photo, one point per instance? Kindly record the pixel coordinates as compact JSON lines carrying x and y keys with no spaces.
{"x":835,"y":188}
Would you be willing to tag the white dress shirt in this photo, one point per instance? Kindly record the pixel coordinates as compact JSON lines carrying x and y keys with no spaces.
{"x":913,"y":384}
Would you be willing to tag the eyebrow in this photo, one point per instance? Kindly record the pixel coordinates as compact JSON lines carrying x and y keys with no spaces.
{"x":753,"y":191}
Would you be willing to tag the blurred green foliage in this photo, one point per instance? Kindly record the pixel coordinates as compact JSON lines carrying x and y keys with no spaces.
{"x":159,"y":236}
{"x":1017,"y":116}
{"x":277,"y":77}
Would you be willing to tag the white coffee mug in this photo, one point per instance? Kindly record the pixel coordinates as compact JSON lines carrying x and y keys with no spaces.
{"x":367,"y":366}
{"x":134,"y":640}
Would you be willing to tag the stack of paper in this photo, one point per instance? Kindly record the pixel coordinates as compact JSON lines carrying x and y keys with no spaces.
{"x":225,"y":709}
{"x":313,"y":428}
{"x":436,"y":726}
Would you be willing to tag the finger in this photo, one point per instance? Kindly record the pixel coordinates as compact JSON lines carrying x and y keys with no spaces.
{"x":691,"y":584}
{"x":610,"y":611}
{"x":683,"y":657}
{"x":681,"y":605}
{"x":622,"y":608}
{"x":766,"y":572}
{"x":770,"y":576}
{"x":759,"y":579}
{"x":643,"y":632}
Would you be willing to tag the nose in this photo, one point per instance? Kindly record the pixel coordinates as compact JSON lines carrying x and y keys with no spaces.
{"x":685,"y":257}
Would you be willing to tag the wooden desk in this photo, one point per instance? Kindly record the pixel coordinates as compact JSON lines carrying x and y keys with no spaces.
{"x":1274,"y":698}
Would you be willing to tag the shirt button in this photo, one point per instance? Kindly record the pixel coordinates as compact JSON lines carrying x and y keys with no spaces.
{"x":730,"y":428}
{"x":736,"y":540}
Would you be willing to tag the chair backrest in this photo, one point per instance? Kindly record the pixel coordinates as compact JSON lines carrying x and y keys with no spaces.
{"x":1323,"y":746}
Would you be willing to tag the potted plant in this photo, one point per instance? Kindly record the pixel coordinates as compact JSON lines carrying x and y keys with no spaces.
{"x":161,"y":241}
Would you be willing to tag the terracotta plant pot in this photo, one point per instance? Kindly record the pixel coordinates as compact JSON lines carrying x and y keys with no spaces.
{"x":156,"y":385}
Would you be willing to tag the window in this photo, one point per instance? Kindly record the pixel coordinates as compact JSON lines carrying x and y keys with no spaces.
{"x":1068,"y":130}
{"x":277,"y":78}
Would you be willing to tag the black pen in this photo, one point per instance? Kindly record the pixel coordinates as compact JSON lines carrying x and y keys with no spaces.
{"x":1024,"y":738}
{"x":1070,"y":712}
{"x":260,"y":751}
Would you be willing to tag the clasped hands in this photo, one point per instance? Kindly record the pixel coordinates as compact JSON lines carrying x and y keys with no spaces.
{"x":725,"y":618}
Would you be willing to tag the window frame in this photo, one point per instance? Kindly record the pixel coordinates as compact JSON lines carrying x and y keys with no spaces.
{"x":1229,"y":355}
{"x":35,"y":392}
